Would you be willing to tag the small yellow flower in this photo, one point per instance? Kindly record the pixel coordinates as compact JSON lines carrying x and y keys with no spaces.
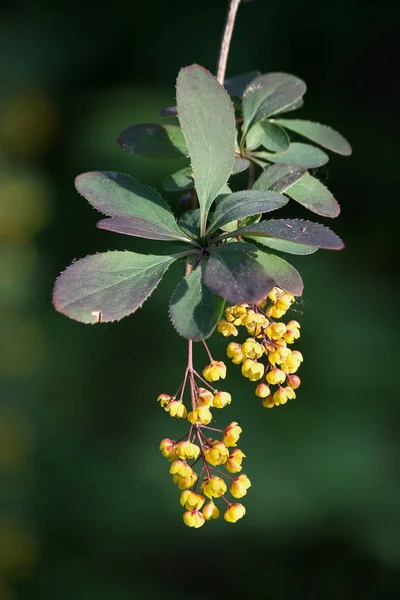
{"x":214,"y":371}
{"x":163,"y":399}
{"x":168,"y":449}
{"x":294,"y":381}
{"x":221,"y":399}
{"x":193,"y":518}
{"x":234,"y":462}
{"x":204,"y":397}
{"x":275,"y":376}
{"x":184,"y":483}
{"x":200,"y":415}
{"x":191,"y":500}
{"x":297,"y":355}
{"x":240,"y":486}
{"x":252,"y":370}
{"x":252,"y":349}
{"x":215,"y":487}
{"x":292,"y":332}
{"x":231,"y":434}
{"x":234,"y":314}
{"x":268,"y":402}
{"x":176,"y":409}
{"x":226,"y":328}
{"x":280,"y":355}
{"x":210,"y":511}
{"x":262,"y":390}
{"x":276,"y":330}
{"x":254,"y":323}
{"x":291,"y":364}
{"x":217,"y":454}
{"x":290,"y":393}
{"x":234,"y":351}
{"x":181,"y":468}
{"x":234,"y":512}
{"x":187,"y":450}
{"x":280,"y":397}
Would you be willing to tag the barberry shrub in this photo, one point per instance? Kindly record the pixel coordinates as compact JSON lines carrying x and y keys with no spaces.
{"x":234,"y":274}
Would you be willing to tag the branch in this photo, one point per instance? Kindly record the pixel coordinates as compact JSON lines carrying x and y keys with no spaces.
{"x":226,"y":40}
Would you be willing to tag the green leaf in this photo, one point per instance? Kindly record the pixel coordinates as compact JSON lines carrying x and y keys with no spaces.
{"x":304,"y":155}
{"x":207,"y":119}
{"x":254,"y":137}
{"x":279,"y":177}
{"x":194,"y":309}
{"x":118,"y":195}
{"x":236,"y":85}
{"x":190,"y":223}
{"x":169,"y":111}
{"x":240,"y":164}
{"x":270,"y":94}
{"x":142,"y":228}
{"x":323,"y":135}
{"x":284,"y":275}
{"x":311,"y":193}
{"x":295,"y":106}
{"x":109,"y":286}
{"x":181,"y":180}
{"x":292,"y":230}
{"x":275,"y":138}
{"x":283,"y":245}
{"x":244,"y":204}
{"x":153,"y":140}
{"x":234,"y":273}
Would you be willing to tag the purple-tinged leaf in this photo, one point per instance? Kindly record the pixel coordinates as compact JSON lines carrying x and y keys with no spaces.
{"x":138,"y":227}
{"x":323,"y":135}
{"x":181,"y":180}
{"x":304,"y":155}
{"x":153,"y":140}
{"x":293,"y":230}
{"x":284,"y":275}
{"x":312,"y":194}
{"x":109,"y":286}
{"x":169,"y":111}
{"x":194,"y":309}
{"x":233,"y":272}
{"x":207,"y":118}
{"x":244,"y":204}
{"x":236,"y":85}
{"x":279,"y":177}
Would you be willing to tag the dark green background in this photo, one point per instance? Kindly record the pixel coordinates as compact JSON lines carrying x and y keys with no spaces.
{"x":87,"y":508}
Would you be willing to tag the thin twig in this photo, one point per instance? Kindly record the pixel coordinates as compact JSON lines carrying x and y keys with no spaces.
{"x":226,"y":40}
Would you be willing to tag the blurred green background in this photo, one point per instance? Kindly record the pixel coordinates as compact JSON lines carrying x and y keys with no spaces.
{"x":87,"y":507}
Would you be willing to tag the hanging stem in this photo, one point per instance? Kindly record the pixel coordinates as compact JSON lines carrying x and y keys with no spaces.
{"x":226,"y":40}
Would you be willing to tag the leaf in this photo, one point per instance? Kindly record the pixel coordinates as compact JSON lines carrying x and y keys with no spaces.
{"x":284,"y":275}
{"x":109,"y":286}
{"x":244,"y":204}
{"x":295,"y":106}
{"x":323,"y":135}
{"x":233,"y":272}
{"x":311,"y":193}
{"x":270,"y":94}
{"x":207,"y":119}
{"x":190,"y":223}
{"x":292,"y":230}
{"x":279,"y":177}
{"x":153,"y":140}
{"x":254,"y":137}
{"x":275,"y":138}
{"x":304,"y":155}
{"x":240,"y":164}
{"x":142,"y":228}
{"x":284,"y":245}
{"x":118,"y":195}
{"x":181,"y":180}
{"x":236,"y":85}
{"x":194,"y":309}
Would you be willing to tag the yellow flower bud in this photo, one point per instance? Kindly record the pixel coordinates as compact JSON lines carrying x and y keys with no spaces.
{"x":185,"y":482}
{"x":268,"y":402}
{"x":234,"y":351}
{"x":275,"y":376}
{"x":252,"y":349}
{"x":231,"y":434}
{"x":163,"y":399}
{"x":215,"y":487}
{"x":191,"y":500}
{"x":214,"y":371}
{"x":240,"y":486}
{"x":221,"y":399}
{"x":234,"y":462}
{"x":226,"y":328}
{"x":210,"y":511}
{"x":204,"y":397}
{"x":292,"y":332}
{"x":176,"y":409}
{"x":297,"y":355}
{"x":168,"y":449}
{"x":193,"y":518}
{"x":280,"y":397}
{"x":217,"y":454}
{"x":294,"y":381}
{"x":252,"y":370}
{"x":262,"y":390}
{"x":188,"y":450}
{"x":200,"y":415}
{"x":234,"y":512}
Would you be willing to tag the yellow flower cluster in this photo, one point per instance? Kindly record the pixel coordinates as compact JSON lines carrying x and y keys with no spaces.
{"x":265,"y":356}
{"x":208,"y":453}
